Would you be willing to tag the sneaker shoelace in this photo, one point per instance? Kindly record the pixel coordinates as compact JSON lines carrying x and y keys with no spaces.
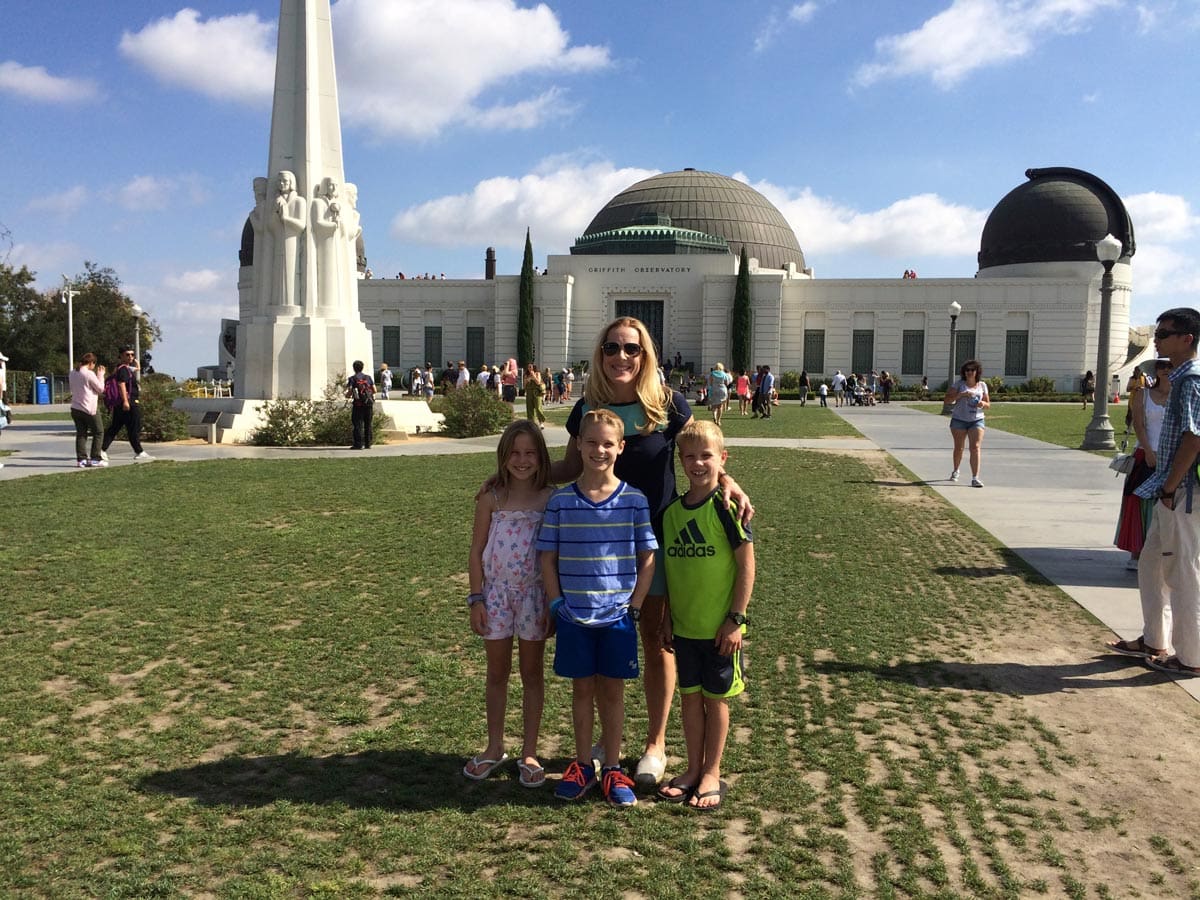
{"x":575,"y":774}
{"x":615,"y":777}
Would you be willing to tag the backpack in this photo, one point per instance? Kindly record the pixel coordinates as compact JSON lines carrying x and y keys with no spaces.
{"x":112,"y":390}
{"x":1175,"y":406}
{"x":362,"y":390}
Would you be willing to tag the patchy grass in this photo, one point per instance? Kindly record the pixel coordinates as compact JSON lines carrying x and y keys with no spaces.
{"x":256,"y":679}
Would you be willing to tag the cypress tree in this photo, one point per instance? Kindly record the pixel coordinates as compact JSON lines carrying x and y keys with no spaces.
{"x":741,"y":317}
{"x":525,"y":307}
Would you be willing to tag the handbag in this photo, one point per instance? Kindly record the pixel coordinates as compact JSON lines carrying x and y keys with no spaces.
{"x":1123,"y":462}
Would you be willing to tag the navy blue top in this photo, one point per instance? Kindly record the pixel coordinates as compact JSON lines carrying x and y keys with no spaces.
{"x":648,"y":461}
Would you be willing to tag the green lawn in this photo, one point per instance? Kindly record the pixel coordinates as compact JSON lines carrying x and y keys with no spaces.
{"x":251,"y":679}
{"x":1056,"y":423}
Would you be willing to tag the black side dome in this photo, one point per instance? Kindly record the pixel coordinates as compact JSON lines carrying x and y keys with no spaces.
{"x":1058,"y":215}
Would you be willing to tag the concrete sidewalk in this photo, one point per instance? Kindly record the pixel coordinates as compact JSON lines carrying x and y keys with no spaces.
{"x":1055,"y":508}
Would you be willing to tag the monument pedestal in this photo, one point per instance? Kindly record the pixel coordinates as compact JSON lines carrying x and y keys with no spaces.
{"x":238,"y":418}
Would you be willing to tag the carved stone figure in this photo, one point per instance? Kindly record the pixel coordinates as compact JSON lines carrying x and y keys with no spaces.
{"x":287,"y":225}
{"x":263,"y":258}
{"x":326,"y":228}
{"x":351,"y":232}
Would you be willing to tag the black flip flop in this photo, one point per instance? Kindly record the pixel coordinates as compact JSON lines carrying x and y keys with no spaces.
{"x":688,"y":791}
{"x":719,"y":792}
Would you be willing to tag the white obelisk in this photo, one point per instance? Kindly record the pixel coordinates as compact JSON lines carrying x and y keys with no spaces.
{"x":299,"y":324}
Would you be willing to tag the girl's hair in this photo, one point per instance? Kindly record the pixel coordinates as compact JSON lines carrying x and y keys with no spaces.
{"x":653,"y":396}
{"x":972,"y":364}
{"x":522,"y":426}
{"x":86,"y":360}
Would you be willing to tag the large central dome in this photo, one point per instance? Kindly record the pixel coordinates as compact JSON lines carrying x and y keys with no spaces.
{"x":709,"y":203}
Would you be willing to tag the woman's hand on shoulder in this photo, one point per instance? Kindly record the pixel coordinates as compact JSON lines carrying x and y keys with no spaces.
{"x":737,"y":498}
{"x":488,"y":486}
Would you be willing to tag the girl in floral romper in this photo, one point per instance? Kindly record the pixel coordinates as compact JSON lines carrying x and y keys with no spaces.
{"x":507,"y":597}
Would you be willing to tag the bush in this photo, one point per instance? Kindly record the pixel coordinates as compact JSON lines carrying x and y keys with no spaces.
{"x":474,"y":412}
{"x":995,"y":385}
{"x":1039,"y":385}
{"x":789,"y":381}
{"x":287,"y":423}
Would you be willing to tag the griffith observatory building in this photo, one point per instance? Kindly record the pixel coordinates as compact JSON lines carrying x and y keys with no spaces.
{"x":666,"y":250}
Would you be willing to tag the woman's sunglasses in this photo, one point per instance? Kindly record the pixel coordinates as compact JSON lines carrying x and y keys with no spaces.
{"x":612,"y":348}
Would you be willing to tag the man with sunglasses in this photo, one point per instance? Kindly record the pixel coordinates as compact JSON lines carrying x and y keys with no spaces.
{"x":1169,"y":568}
{"x":128,"y":413}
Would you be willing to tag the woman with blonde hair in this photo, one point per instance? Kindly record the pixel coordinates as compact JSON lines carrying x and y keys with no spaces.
{"x":718,"y":391}
{"x":623,"y":377}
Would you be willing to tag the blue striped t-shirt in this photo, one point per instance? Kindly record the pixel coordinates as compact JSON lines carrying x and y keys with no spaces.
{"x":597,"y":546}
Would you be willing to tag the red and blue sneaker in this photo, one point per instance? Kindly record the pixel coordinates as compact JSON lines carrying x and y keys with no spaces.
{"x":576,"y":781}
{"x":618,"y":787}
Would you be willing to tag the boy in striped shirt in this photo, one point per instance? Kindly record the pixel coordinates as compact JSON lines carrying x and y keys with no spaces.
{"x":597,"y":556}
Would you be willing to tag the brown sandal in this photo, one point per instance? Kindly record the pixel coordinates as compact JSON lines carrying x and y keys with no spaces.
{"x":1137,"y":647}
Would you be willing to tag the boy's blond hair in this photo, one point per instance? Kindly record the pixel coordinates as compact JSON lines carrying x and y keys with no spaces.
{"x":602,"y":417}
{"x":701,"y":431}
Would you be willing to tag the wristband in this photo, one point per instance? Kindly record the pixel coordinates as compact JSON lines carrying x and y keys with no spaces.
{"x":472,"y":599}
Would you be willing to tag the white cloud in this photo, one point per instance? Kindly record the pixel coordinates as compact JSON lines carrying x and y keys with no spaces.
{"x":557,"y":201}
{"x":923,"y":225}
{"x":196,"y":281}
{"x":973,"y":34}
{"x":413,"y":68}
{"x":227,"y":57}
{"x":1165,"y":218}
{"x":769,"y":30}
{"x":153,"y":193}
{"x":64,"y":203}
{"x":47,"y":261}
{"x":35,"y":83}
{"x":408,"y":68}
{"x":803,"y":12}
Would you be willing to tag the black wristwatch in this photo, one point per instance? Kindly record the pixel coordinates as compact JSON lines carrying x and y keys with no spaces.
{"x":635,"y":613}
{"x":736,"y":618}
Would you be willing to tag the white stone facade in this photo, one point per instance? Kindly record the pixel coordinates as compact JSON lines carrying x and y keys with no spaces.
{"x":1050,"y":311}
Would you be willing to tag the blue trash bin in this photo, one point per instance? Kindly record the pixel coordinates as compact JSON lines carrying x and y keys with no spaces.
{"x":41,"y":387}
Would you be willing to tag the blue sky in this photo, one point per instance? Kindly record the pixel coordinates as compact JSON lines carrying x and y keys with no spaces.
{"x":885,"y":132}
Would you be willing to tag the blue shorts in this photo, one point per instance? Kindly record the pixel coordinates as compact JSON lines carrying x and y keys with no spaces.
{"x":965,"y":424}
{"x":702,"y":668}
{"x":610,"y":650}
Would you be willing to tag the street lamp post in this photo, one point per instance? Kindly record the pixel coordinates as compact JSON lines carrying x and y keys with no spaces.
{"x":1099,"y":434}
{"x":955,"y":309}
{"x":137,"y":336}
{"x":68,"y":297}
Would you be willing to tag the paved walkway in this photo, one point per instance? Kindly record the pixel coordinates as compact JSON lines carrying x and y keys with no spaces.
{"x":1056,"y":508}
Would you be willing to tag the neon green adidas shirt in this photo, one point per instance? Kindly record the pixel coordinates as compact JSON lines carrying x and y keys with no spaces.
{"x":698,"y":544}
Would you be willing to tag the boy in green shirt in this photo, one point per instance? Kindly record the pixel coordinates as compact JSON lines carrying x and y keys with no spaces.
{"x":709,"y":561}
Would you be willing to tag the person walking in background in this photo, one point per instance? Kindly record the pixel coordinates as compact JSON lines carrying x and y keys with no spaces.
{"x":463,"y":378}
{"x":87,"y":386}
{"x":1147,"y":405}
{"x":743,"y":392}
{"x":360,"y":388}
{"x":508,"y":381}
{"x":969,"y":398}
{"x":804,"y":387}
{"x":823,"y":393}
{"x":385,"y":380}
{"x":839,"y":388}
{"x":1089,"y":388}
{"x":1169,"y":568}
{"x":507,"y":598}
{"x":127,"y":413}
{"x":718,"y":391}
{"x":534,"y":391}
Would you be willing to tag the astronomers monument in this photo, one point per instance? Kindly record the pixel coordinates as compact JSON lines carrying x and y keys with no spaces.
{"x":299,"y":324}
